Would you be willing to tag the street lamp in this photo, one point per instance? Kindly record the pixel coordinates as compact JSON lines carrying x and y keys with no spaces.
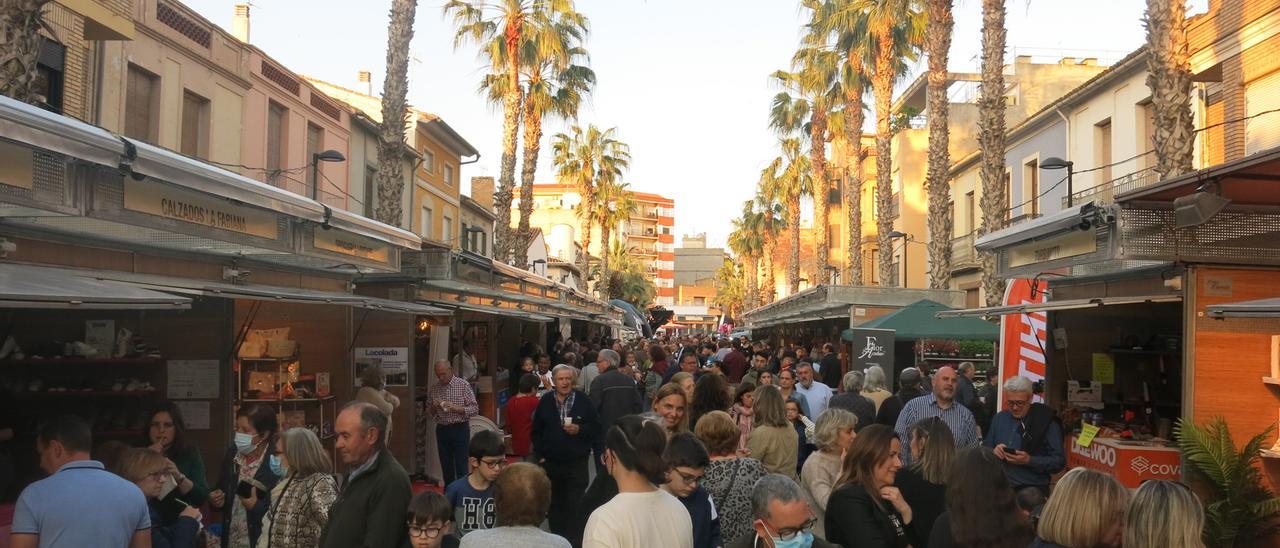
{"x":1055,"y":163}
{"x":316,"y":158}
{"x":905,"y":238}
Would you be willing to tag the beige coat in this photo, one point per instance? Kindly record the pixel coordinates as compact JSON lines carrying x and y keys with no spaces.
{"x":777,"y":447}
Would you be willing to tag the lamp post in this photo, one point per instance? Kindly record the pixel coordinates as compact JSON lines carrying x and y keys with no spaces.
{"x":1055,"y":163}
{"x":905,"y":238}
{"x":316,"y":158}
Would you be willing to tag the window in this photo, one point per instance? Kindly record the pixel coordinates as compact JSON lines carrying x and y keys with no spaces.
{"x":370,"y":189}
{"x":446,"y":229}
{"x":195,"y":125}
{"x":142,"y":104}
{"x":50,"y":64}
{"x":315,"y":144}
{"x":277,"y":125}
{"x":700,"y":301}
{"x":482,"y":247}
{"x":424,"y":222}
{"x":1031,"y":187}
{"x":448,"y":175}
{"x":1146,"y":134}
{"x":466,"y":238}
{"x":1102,"y":149}
{"x":428,"y":161}
{"x":1261,"y":131}
{"x":970,"y":213}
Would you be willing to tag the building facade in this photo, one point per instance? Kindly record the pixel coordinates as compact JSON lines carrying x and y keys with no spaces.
{"x":1234,"y":49}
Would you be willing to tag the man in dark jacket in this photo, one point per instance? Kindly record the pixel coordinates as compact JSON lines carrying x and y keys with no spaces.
{"x":1027,"y":437}
{"x":909,"y":387}
{"x":565,"y":428}
{"x":613,"y":393}
{"x":370,"y":510}
{"x":735,"y":364}
{"x":829,"y":366}
{"x":852,"y":400}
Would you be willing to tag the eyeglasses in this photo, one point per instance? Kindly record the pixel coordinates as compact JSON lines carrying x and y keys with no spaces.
{"x":689,"y":479}
{"x":790,"y":532}
{"x":421,"y":531}
{"x":1017,"y":403}
{"x":495,"y":464}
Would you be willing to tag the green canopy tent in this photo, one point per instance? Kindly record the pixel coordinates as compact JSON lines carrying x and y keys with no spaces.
{"x":919,"y":321}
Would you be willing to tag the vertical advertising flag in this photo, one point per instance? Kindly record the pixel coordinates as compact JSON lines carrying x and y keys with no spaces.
{"x":1022,"y":336}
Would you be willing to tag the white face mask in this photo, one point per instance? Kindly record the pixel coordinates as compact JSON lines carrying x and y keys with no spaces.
{"x":244,"y":443}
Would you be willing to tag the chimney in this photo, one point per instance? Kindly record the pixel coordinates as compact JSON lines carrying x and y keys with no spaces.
{"x":240,"y":23}
{"x":482,"y":191}
{"x":1068,"y":61}
{"x":366,"y":82}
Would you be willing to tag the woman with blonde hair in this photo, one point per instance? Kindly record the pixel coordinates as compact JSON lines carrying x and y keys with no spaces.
{"x":300,"y":503}
{"x":148,"y":469}
{"x":686,"y":382}
{"x":833,"y":434}
{"x":671,"y":403}
{"x":1164,"y":514}
{"x":1087,"y":510}
{"x":773,"y":440}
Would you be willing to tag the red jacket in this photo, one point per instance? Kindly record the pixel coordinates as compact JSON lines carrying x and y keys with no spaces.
{"x":520,"y":423}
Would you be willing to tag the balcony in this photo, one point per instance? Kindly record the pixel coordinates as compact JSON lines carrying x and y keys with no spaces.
{"x":647,"y":251}
{"x":645,"y":214}
{"x":963,"y":254}
{"x":1105,"y":193}
{"x":642,"y":233}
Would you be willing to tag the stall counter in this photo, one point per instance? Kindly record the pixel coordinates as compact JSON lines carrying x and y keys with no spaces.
{"x":1131,"y":462}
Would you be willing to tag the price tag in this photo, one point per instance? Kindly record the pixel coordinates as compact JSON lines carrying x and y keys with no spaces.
{"x":1087,"y":432}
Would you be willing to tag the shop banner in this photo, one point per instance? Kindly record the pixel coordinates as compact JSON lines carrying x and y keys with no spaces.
{"x":1022,"y":336}
{"x":872,"y":347}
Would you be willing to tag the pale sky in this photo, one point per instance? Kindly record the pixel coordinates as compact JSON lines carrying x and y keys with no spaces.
{"x":685,"y":81}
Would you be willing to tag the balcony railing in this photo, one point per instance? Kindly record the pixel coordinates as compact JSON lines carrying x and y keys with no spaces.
{"x":1106,"y":192}
{"x":962,"y":251}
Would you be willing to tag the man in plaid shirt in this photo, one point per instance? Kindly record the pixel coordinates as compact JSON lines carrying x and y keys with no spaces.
{"x":452,"y":406}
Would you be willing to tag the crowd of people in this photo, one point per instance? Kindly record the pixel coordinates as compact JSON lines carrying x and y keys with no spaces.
{"x":693,"y":444}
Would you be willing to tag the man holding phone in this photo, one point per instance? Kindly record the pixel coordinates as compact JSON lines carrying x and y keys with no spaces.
{"x":453,"y":403}
{"x":1027,"y":436}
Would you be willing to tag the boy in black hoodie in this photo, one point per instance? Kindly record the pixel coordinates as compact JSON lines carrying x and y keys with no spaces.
{"x":687,"y":461}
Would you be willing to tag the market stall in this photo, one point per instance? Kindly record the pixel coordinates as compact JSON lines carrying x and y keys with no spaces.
{"x":923,"y":339}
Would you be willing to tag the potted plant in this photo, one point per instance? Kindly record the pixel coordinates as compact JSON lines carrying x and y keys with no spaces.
{"x":1238,"y":507}
{"x":975,"y":349}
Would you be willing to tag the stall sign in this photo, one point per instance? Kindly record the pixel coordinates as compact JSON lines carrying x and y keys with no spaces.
{"x":1132,"y":465}
{"x":1043,"y":251}
{"x":1023,"y":336}
{"x":350,"y":244}
{"x":393,"y":361}
{"x":872,"y":347}
{"x":174,"y":203}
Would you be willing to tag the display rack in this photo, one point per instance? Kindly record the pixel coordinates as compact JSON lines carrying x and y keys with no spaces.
{"x":87,"y":386}
{"x":315,"y":412}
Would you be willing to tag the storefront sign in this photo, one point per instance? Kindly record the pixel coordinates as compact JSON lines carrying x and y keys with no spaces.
{"x":872,"y":347}
{"x":1076,"y":243}
{"x":1130,"y":462}
{"x":1022,"y":336}
{"x":17,"y":166}
{"x":394,"y":363}
{"x":350,"y":244}
{"x":193,"y":379}
{"x":159,"y":199}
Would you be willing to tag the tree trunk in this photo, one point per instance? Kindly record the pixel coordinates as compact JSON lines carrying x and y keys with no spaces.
{"x":503,"y":236}
{"x":882,"y":89}
{"x":852,"y":195}
{"x":588,"y":220}
{"x":390,"y":178}
{"x":750,"y":274}
{"x":606,"y":233}
{"x":528,"y":170}
{"x":994,"y":203}
{"x":821,"y":198}
{"x":793,"y":261}
{"x":769,"y":291}
{"x":941,"y":219}
{"x":1169,"y":77}
{"x":20,"y":24}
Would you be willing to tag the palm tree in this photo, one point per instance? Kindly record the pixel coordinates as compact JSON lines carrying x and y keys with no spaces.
{"x":897,"y":28}
{"x":389,"y":179}
{"x":937,"y":44}
{"x":510,"y":33}
{"x":991,"y":140}
{"x":772,"y":221}
{"x":730,"y":291}
{"x":816,"y":80}
{"x":614,"y":204}
{"x":556,"y":86}
{"x":787,"y":179}
{"x":1169,"y":77}
{"x":746,"y":242}
{"x":588,"y":159}
{"x":20,"y":24}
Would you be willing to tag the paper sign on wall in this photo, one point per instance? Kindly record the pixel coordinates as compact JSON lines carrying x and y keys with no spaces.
{"x":193,"y":379}
{"x":1104,"y":368}
{"x":393,"y":361}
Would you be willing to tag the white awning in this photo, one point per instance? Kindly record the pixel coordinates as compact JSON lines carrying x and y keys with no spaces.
{"x":1068,"y":304}
{"x":23,"y":286}
{"x":498,"y":311}
{"x":1261,"y":308}
{"x":389,"y":305}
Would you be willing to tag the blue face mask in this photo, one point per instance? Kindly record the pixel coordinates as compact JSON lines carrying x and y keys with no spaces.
{"x":803,"y":539}
{"x":278,"y":467}
{"x":244,"y":443}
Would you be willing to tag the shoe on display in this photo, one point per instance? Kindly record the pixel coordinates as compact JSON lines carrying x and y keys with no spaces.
{"x":9,"y":347}
{"x":133,"y":386}
{"x":35,"y":385}
{"x":118,"y":386}
{"x":81,"y":348}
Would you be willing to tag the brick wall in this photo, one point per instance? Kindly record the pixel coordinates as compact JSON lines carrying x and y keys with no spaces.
{"x":1223,"y":19}
{"x":78,"y":76}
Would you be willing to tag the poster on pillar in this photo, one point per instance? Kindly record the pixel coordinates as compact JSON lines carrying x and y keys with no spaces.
{"x":393,"y":361}
{"x":1022,"y":336}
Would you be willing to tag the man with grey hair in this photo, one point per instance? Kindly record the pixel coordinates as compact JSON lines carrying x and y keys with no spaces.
{"x":566,"y":428}
{"x":613,"y":393}
{"x":782,"y":514}
{"x":1027,"y":436}
{"x":852,"y":400}
{"x":452,"y":404}
{"x":965,"y":394}
{"x":370,"y":509}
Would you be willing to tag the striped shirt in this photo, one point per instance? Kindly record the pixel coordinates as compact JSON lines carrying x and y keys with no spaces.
{"x":957,"y":417}
{"x":457,"y":392}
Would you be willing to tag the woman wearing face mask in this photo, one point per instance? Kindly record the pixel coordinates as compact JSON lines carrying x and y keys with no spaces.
{"x":166,"y":435}
{"x":300,"y":502}
{"x":148,"y":470}
{"x":244,"y":492}
{"x":641,"y":515}
{"x":866,"y":510}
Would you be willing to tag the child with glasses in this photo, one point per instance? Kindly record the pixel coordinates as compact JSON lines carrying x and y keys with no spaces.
{"x":430,"y":520}
{"x":472,"y":496}
{"x":687,"y":461}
